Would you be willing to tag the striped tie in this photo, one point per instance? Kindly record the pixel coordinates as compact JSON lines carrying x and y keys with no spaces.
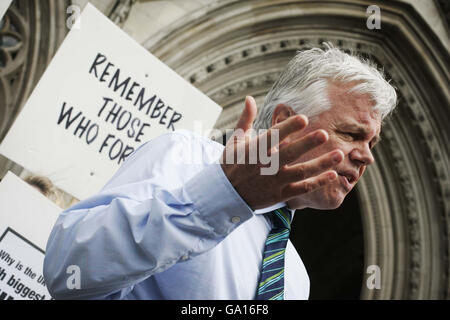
{"x":271,"y":284}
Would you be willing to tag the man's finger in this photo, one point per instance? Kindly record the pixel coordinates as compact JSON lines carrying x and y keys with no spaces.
{"x":309,"y":185}
{"x":305,"y":170}
{"x":248,"y":115}
{"x":295,"y":149}
{"x":290,"y":125}
{"x":276,"y":134}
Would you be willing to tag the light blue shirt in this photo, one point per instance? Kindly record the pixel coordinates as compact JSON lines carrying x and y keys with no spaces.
{"x":168,"y":225}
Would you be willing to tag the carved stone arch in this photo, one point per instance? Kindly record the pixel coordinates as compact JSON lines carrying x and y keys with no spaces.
{"x":230,"y":49}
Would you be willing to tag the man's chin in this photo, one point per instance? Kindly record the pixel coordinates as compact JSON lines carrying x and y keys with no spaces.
{"x":329,"y":204}
{"x":320,"y":201}
{"x":332,"y":205}
{"x":333,"y":201}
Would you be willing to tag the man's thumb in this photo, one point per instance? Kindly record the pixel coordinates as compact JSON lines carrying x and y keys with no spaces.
{"x":248,"y":115}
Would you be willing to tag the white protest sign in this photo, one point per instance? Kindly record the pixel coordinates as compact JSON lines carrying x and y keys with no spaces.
{"x":4,"y":5}
{"x":102,"y":96}
{"x":27,"y":218}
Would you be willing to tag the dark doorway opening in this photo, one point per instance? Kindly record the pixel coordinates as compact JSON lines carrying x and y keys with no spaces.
{"x":331,"y":245}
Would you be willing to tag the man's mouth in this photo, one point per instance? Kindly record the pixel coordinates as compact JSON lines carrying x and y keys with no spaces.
{"x":348,"y":179}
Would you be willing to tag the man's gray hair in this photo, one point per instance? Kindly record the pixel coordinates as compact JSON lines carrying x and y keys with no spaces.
{"x":303,"y":84}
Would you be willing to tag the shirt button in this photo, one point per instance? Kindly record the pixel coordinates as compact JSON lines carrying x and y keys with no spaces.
{"x":236,"y":219}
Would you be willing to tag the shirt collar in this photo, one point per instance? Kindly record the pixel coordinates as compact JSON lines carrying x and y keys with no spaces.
{"x":274,"y":207}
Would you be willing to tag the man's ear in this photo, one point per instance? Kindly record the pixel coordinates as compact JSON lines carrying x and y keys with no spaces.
{"x":281,"y":113}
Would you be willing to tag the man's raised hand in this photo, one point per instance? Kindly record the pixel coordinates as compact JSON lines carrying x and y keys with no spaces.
{"x":243,"y":164}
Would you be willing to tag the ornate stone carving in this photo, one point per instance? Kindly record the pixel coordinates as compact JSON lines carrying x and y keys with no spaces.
{"x":120,"y":11}
{"x":14,"y":36}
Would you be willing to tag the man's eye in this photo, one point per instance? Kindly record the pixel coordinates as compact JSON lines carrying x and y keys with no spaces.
{"x":348,"y":135}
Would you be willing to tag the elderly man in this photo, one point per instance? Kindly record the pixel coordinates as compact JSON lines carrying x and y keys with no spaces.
{"x":217,"y":229}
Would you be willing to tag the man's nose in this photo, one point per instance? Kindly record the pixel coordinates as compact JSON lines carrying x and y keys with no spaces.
{"x":362,"y":156}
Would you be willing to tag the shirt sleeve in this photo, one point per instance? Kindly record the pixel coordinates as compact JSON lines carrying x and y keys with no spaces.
{"x":169,"y":202}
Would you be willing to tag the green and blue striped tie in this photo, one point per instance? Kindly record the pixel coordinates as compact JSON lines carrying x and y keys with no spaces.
{"x":271,"y":284}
